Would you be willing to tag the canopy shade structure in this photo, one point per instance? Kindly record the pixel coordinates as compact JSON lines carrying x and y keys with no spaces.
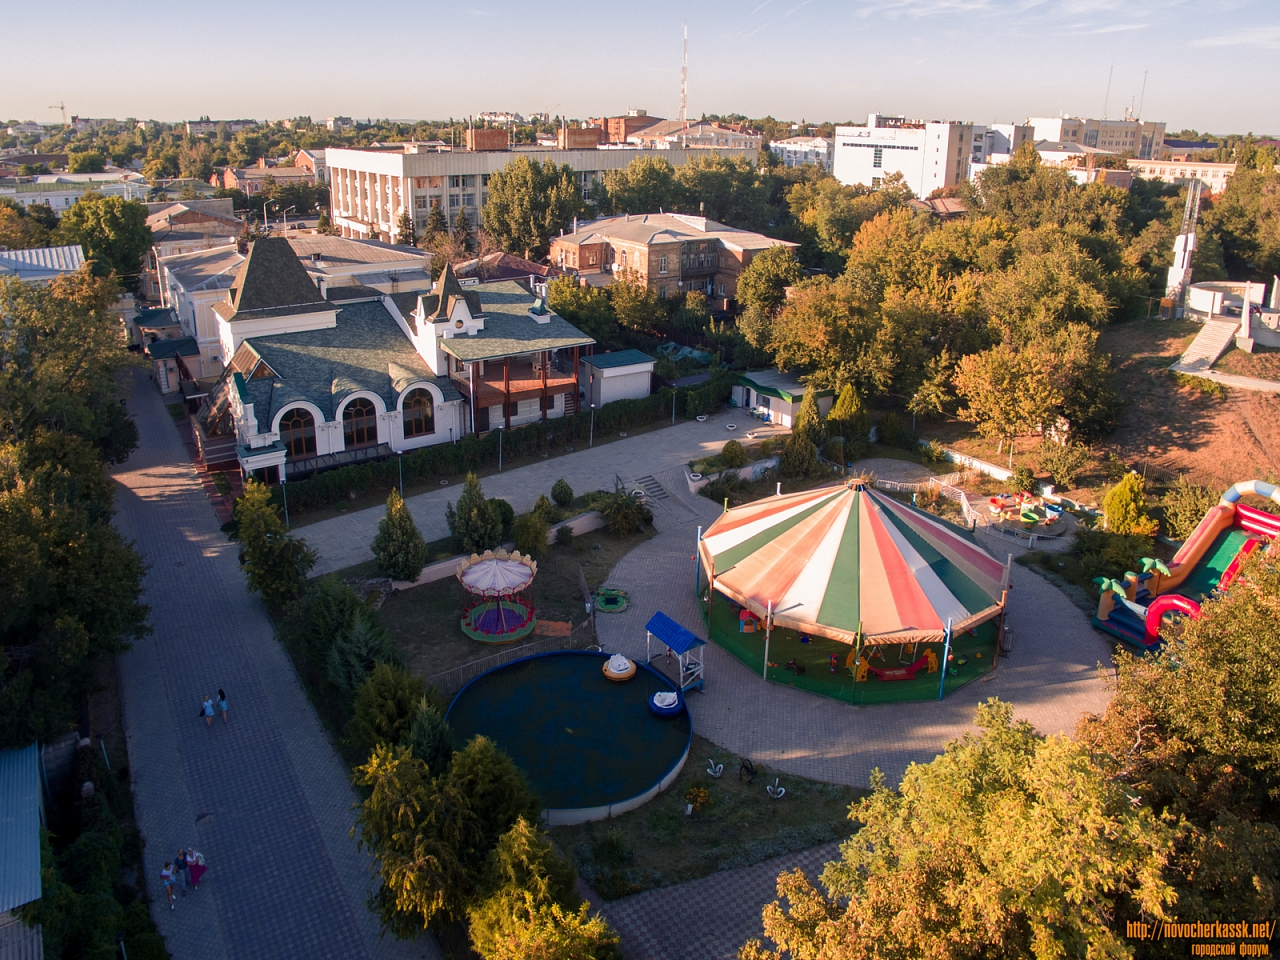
{"x":497,"y":574}
{"x":839,"y":559}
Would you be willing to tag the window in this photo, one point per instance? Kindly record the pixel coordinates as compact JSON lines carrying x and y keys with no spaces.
{"x":484,"y":179}
{"x":662,"y":292}
{"x":420,"y":203}
{"x":298,"y":433}
{"x":722,"y":289}
{"x":622,"y":259}
{"x":359,"y":424}
{"x":455,"y":182}
{"x":877,"y":157}
{"x":453,"y":200}
{"x":662,"y":264}
{"x":468,"y":199}
{"x":419,"y":413}
{"x":591,"y":259}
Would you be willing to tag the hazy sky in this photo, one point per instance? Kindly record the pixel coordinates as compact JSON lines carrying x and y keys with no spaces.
{"x":1210,"y":64}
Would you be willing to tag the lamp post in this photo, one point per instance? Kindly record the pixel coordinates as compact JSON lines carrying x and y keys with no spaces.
{"x":400,"y":464}
{"x":284,"y":494}
{"x":591,"y":436}
{"x":286,"y":216}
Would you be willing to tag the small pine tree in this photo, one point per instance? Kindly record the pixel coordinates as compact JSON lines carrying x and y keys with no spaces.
{"x":406,"y":234}
{"x":437,"y":224}
{"x":353,"y":655}
{"x":562,"y":493}
{"x":545,"y":509}
{"x":1185,"y":505}
{"x":431,"y":738}
{"x":807,"y":424}
{"x":1125,"y":507}
{"x":274,"y":562}
{"x":493,"y":787}
{"x":530,"y":534}
{"x":385,"y":707}
{"x":475,"y":525}
{"x":462,"y":229}
{"x":846,"y":406}
{"x":398,"y":546}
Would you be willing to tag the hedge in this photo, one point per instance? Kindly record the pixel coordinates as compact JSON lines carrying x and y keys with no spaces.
{"x":473,"y":452}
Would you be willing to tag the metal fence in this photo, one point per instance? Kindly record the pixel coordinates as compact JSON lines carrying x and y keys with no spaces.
{"x":942,"y":487}
{"x":451,"y":681}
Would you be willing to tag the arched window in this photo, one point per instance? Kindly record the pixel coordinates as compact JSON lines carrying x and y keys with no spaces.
{"x":359,"y":424}
{"x":419,"y":413}
{"x":298,"y":433}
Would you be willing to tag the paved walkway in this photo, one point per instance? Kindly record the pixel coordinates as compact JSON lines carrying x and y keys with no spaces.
{"x":344,"y":540}
{"x":265,"y":797}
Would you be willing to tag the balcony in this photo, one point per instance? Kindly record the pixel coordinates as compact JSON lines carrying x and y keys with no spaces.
{"x":522,"y":381}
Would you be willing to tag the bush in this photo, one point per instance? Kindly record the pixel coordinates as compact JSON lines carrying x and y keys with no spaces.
{"x":493,"y":787}
{"x":1023,"y":480}
{"x":1125,"y":508}
{"x":733,"y":455}
{"x":766,"y":447}
{"x":431,"y":738}
{"x":274,"y":562}
{"x":896,"y":431}
{"x":562,"y":493}
{"x":354,"y":655}
{"x":398,"y":546}
{"x":505,"y":514}
{"x":1185,"y":505}
{"x":323,"y":615}
{"x":624,"y":513}
{"x":385,"y":707}
{"x":833,"y":450}
{"x":799,"y":458}
{"x":724,"y":486}
{"x":545,"y":510}
{"x":1064,"y":462}
{"x":475,"y":525}
{"x":807,"y":423}
{"x":933,"y":452}
{"x":564,"y":535}
{"x":530,"y":534}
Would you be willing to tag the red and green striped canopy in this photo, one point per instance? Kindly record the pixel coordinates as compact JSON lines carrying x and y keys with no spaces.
{"x":838,"y":559}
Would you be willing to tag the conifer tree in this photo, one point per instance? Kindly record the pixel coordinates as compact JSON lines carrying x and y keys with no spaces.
{"x":806,"y":424}
{"x":405,"y":232}
{"x":398,"y":546}
{"x":475,"y":525}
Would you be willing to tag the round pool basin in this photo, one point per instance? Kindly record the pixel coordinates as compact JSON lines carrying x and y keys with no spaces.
{"x":590,"y":747}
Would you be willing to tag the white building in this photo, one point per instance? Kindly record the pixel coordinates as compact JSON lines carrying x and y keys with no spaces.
{"x":61,"y":190}
{"x":620,"y":375}
{"x":1144,"y":139}
{"x":997,"y":142}
{"x":370,"y":189}
{"x":797,"y":151}
{"x":339,"y":124}
{"x":928,"y":155}
{"x":1213,"y":175}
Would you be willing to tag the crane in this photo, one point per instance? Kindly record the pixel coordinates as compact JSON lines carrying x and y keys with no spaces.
{"x":684,"y":92}
{"x":63,"y":107}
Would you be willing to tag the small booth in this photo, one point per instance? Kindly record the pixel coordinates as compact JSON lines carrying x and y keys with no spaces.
{"x":680,"y":643}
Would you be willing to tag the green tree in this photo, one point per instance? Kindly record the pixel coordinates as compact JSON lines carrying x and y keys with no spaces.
{"x":431,"y":738}
{"x":763,"y":283}
{"x":562,"y":493}
{"x":405,"y":233}
{"x":324,"y":225}
{"x":733,"y":455}
{"x":807,"y":424}
{"x":799,"y":457}
{"x":385,"y":707}
{"x":623,"y":511}
{"x":398,"y":546}
{"x":587,"y":308}
{"x":474,"y":525}
{"x":1036,"y":848}
{"x":1064,"y":461}
{"x":163,"y":163}
{"x":529,"y":203}
{"x":1185,"y":505}
{"x":437,"y":223}
{"x":90,"y":161}
{"x":356,"y":651}
{"x":195,"y":161}
{"x":645,"y":185}
{"x":1007,"y":392}
{"x":494,"y":788}
{"x":462,"y":229}
{"x":732,"y":191}
{"x":530,"y":534}
{"x":274,"y":562}
{"x":113,"y":233}
{"x":1125,"y":507}
{"x":553,"y":932}
{"x":829,"y":330}
{"x":636,"y":305}
{"x":18,"y":231}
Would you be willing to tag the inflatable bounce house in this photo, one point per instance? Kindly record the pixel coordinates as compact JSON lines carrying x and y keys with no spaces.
{"x":1134,"y":609}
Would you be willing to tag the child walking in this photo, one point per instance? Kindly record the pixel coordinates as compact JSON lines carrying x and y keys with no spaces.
{"x":167,"y":876}
{"x":222,"y":704}
{"x":206,"y":710}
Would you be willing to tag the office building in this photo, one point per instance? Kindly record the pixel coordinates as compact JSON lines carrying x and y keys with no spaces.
{"x":929,"y":155}
{"x":1143,"y":139}
{"x":797,"y":151}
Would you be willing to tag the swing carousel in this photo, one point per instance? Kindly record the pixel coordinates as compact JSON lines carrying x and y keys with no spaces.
{"x":497,"y":610}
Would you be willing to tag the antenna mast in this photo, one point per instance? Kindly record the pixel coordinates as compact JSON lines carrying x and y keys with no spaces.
{"x":1106,"y":102}
{"x":684,"y":92}
{"x":1142,"y":98}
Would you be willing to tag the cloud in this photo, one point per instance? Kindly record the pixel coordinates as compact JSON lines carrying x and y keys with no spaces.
{"x":1260,"y":38}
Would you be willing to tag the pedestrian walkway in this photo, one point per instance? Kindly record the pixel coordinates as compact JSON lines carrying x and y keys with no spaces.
{"x":343,"y":541}
{"x":1052,"y":676}
{"x":265,"y":797}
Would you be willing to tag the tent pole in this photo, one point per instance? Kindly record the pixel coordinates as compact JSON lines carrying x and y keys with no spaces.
{"x":768,"y":626}
{"x":697,"y":563}
{"x":946,"y":658}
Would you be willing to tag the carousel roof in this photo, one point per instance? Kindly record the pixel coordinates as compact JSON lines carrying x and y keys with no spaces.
{"x":497,"y":573}
{"x":838,"y":559}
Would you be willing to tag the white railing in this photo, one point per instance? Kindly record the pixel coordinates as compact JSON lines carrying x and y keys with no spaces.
{"x":942,"y":487}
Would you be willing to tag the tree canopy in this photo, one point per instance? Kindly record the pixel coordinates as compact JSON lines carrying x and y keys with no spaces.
{"x":529,"y":203}
{"x":113,"y":232}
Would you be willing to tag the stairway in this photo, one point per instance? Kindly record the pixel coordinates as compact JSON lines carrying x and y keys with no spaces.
{"x":1210,"y":344}
{"x":653,"y":490}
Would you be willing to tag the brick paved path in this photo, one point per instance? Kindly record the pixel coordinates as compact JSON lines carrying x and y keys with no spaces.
{"x":265,"y":798}
{"x":707,"y":919}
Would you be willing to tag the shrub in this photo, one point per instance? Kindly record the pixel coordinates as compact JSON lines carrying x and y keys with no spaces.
{"x":564,"y":535}
{"x":562,"y":493}
{"x":624,"y":512}
{"x":325,"y":613}
{"x":1125,"y":507}
{"x":398,"y":546}
{"x":807,"y":424}
{"x":1185,"y":505}
{"x":493,"y":787}
{"x":505,"y":514}
{"x":896,"y":431}
{"x":699,"y":797}
{"x":474,"y":524}
{"x":354,"y":655}
{"x":1022,"y":480}
{"x":833,"y":450}
{"x":766,"y":447}
{"x":733,"y":455}
{"x":799,"y":458}
{"x":933,"y":452}
{"x":273,"y":561}
{"x":431,"y":738}
{"x":530,"y":534}
{"x":545,"y":509}
{"x":722,"y":487}
{"x":385,"y":707}
{"x":1064,"y":462}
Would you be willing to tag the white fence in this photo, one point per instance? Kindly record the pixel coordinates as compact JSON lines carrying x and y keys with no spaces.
{"x":942,"y":487}
{"x":973,"y":463}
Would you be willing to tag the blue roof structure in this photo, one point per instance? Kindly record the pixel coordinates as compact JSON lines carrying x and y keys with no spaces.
{"x":672,"y":634}
{"x":19,"y":827}
{"x":618,"y":358}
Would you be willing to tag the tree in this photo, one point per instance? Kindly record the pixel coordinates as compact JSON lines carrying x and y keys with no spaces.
{"x":799,"y":457}
{"x":1037,"y":851}
{"x":530,"y":534}
{"x":732,"y":191}
{"x":113,"y":232}
{"x":163,"y":163}
{"x":90,"y":161}
{"x":645,"y":185}
{"x":462,"y":229}
{"x":18,"y":231}
{"x":624,"y":513}
{"x":398,"y":546}
{"x":356,"y":651}
{"x":437,"y":224}
{"x":494,"y":789}
{"x":1125,"y":507}
{"x":405,"y":233}
{"x":431,"y":738}
{"x":474,"y":525}
{"x":562,"y":493}
{"x":733,"y":455}
{"x":587,"y":308}
{"x":807,"y":424}
{"x":763,"y":282}
{"x":827,"y":329}
{"x":1063,"y":461}
{"x":1007,"y":392}
{"x":324,"y":225}
{"x":553,"y":932}
{"x":385,"y":707}
{"x":636,"y":305}
{"x":195,"y":161}
{"x":529,"y":203}
{"x":274,"y":562}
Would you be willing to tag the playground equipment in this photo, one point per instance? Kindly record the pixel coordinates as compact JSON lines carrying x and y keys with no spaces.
{"x":619,"y":668}
{"x":1134,"y":608}
{"x":498,"y":614}
{"x":685,"y":646}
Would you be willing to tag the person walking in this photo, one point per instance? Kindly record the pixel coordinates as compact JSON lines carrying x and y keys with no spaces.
{"x":206,"y":711}
{"x":222,"y":704}
{"x":195,"y":863}
{"x":180,"y":877}
{"x":167,"y":876}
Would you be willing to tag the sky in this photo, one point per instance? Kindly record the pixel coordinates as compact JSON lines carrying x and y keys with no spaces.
{"x":1206,"y":64}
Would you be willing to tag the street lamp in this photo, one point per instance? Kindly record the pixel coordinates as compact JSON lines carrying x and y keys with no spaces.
{"x":400,"y":464}
{"x":591,"y":437}
{"x":285,"y":213}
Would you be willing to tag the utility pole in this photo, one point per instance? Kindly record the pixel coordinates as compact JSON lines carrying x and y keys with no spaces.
{"x":684,"y":92}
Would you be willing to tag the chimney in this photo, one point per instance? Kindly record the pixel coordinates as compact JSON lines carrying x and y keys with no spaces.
{"x":575,"y":224}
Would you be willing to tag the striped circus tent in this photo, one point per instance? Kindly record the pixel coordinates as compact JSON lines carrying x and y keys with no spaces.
{"x":839,"y":559}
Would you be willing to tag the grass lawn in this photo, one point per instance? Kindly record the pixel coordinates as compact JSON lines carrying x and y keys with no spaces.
{"x":177,"y":411}
{"x":658,"y":845}
{"x":1264,"y":363}
{"x":424,"y":621}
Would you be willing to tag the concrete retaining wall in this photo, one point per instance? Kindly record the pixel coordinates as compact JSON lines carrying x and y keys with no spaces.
{"x":752,"y":471}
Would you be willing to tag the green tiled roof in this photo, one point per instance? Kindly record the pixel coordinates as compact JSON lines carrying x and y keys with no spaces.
{"x":176,"y":347}
{"x":508,"y":328}
{"x":366,"y":350}
{"x":619,"y":358}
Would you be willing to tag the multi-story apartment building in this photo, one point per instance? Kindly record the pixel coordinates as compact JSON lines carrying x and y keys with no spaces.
{"x":673,"y":252}
{"x":370,"y":189}
{"x":1144,"y":139}
{"x":201,"y":128}
{"x":61,"y":190}
{"x":1214,"y":176}
{"x":797,"y":151}
{"x":929,"y":155}
{"x":998,"y":142}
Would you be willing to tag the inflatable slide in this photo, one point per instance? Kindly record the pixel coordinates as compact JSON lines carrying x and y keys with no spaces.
{"x":1209,"y":560}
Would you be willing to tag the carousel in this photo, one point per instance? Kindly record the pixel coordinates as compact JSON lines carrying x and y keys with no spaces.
{"x":497,"y":610}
